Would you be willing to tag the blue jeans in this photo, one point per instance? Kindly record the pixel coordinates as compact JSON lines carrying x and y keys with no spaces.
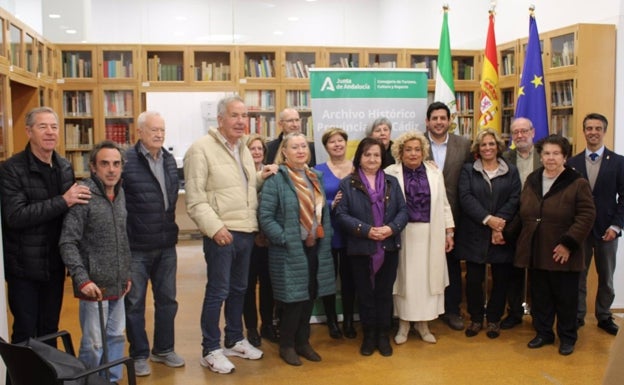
{"x":160,"y":267}
{"x":227,"y":271}
{"x":91,"y":349}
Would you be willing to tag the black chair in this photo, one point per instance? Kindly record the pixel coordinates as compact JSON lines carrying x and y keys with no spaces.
{"x":35,"y":362}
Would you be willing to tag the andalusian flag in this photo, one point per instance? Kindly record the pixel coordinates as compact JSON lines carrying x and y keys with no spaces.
{"x":490,"y":92}
{"x":444,"y":85}
{"x":532,"y":95}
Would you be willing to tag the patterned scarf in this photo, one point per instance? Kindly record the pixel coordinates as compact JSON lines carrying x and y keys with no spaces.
{"x":310,"y":202}
{"x":377,"y":199}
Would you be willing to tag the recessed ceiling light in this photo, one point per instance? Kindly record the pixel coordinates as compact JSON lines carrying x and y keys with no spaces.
{"x":54,"y":16}
{"x":71,"y":31}
{"x":278,"y":32}
{"x":293,"y":18}
{"x":181,"y":18}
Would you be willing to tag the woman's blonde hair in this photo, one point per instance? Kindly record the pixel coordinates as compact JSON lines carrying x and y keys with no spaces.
{"x":500,"y":145}
{"x":253,"y":137}
{"x":280,"y":159}
{"x":399,"y":143}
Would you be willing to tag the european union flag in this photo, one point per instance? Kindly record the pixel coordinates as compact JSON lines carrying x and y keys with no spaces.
{"x":532,"y":95}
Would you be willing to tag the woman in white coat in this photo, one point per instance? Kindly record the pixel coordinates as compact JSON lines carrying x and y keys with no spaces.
{"x":422,"y":273}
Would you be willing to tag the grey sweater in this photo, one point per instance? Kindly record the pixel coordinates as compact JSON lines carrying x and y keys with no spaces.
{"x":94,"y":242}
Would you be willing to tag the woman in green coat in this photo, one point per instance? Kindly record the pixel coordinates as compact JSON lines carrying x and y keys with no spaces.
{"x":295,"y":219}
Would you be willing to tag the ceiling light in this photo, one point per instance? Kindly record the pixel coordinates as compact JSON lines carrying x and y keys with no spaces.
{"x":278,"y":32}
{"x":71,"y":31}
{"x":293,"y":18}
{"x":54,"y":16}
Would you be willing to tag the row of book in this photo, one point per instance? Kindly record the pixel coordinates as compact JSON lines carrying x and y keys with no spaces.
{"x":465,"y":102}
{"x":262,"y":68}
{"x":344,"y":62}
{"x":561,"y":124}
{"x":78,"y":136}
{"x":299,"y":99}
{"x":565,"y":57}
{"x":80,"y":162}
{"x":508,"y":66}
{"x":118,"y":103}
{"x":262,"y":125}
{"x":429,"y":63}
{"x":157,"y":71}
{"x":562,"y":93}
{"x":77,"y":103}
{"x":463,"y":70}
{"x":212,"y":72}
{"x":118,"y":132}
{"x":77,"y":65}
{"x":298,"y":69}
{"x":260,"y":100}
{"x":465,"y":126}
{"x":117,"y":69}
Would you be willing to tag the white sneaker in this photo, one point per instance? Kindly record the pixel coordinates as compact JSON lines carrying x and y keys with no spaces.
{"x":141,"y":367}
{"x":244,"y":349}
{"x":217,"y":362}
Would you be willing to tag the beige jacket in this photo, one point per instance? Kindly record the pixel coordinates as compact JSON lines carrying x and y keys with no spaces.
{"x":215,"y":194}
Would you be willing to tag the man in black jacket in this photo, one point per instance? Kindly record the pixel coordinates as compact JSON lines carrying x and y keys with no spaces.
{"x":37,"y":187}
{"x":289,"y":122}
{"x":150,"y":181}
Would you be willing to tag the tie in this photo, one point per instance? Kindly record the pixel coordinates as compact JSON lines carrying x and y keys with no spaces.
{"x":593,"y":156}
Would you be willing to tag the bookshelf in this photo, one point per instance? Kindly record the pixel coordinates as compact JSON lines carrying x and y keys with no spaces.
{"x":297,"y":63}
{"x":508,"y":107}
{"x":214,"y":65}
{"x":262,"y":108}
{"x":3,"y":118}
{"x":259,"y":64}
{"x":571,"y":84}
{"x":78,"y":126}
{"x":117,"y":63}
{"x":384,"y":58}
{"x":343,"y":57}
{"x":77,"y":63}
{"x":163,"y":64}
{"x":466,"y":118}
{"x":119,"y":110}
{"x":15,"y":44}
{"x":427,"y":60}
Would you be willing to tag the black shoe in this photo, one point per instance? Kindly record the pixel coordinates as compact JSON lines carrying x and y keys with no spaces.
{"x":290,"y":356}
{"x":347,"y":327}
{"x":368,"y":343}
{"x":308,"y":353}
{"x":334,"y":330}
{"x":608,"y":326}
{"x":269,"y":332}
{"x":510,"y":322}
{"x":253,"y":337}
{"x":580,"y":322}
{"x":383,"y":344}
{"x":538,"y":342}
{"x":566,"y":349}
{"x":473,"y":329}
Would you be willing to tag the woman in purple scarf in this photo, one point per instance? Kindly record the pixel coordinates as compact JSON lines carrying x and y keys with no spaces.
{"x":372,"y":213}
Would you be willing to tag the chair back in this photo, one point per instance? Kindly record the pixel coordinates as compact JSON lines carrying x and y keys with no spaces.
{"x":25,"y":367}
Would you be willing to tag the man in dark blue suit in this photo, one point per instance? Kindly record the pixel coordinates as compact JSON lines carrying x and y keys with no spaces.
{"x":605,"y":171}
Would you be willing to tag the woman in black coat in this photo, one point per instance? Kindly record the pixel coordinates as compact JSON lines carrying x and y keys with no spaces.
{"x":489,"y":194}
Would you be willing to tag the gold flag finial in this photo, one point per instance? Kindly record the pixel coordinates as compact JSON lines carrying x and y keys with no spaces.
{"x":445,"y":7}
{"x":532,"y":9}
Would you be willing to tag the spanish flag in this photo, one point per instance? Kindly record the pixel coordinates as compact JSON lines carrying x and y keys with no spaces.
{"x":490,"y":92}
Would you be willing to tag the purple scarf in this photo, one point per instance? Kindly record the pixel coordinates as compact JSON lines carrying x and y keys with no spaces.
{"x":377,"y":199}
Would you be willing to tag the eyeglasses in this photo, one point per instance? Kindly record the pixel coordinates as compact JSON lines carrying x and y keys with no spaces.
{"x":523,"y":131}
{"x":154,"y":130}
{"x":291,"y":121}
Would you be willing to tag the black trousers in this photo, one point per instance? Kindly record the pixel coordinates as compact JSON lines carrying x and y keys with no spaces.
{"x":515,"y":293}
{"x":347,"y":286}
{"x":453,"y":292}
{"x":555,"y":293}
{"x":36,"y":306}
{"x":258,"y":273}
{"x":476,"y":288}
{"x":375,"y":301}
{"x":295,"y":316}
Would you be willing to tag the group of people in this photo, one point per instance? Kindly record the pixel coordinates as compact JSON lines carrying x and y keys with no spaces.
{"x":394,"y":224}
{"x":113,"y":232}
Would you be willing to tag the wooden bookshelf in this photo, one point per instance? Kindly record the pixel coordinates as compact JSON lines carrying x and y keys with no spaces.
{"x":296,"y":63}
{"x":258,"y":65}
{"x":118,"y":63}
{"x":164,"y":65}
{"x":384,"y":58}
{"x":336,"y":57}
{"x":262,"y":108}
{"x":77,"y":63}
{"x":214,"y":66}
